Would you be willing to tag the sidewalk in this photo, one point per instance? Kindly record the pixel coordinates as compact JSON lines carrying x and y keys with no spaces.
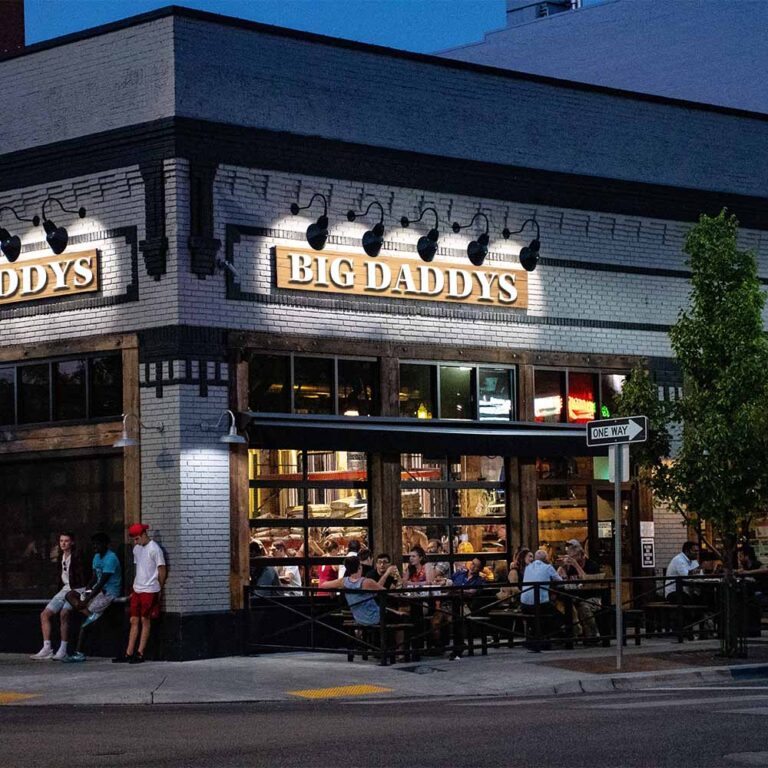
{"x":297,"y":676}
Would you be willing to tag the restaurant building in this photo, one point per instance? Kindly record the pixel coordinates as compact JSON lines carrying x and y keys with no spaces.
{"x":389,"y":384}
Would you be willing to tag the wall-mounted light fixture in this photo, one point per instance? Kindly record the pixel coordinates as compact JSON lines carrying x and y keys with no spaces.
{"x":373,"y":239}
{"x":477,"y":250}
{"x":317,"y":233}
{"x":125,"y":440}
{"x":57,"y":237}
{"x":426,"y":247}
{"x":231,"y":436}
{"x":10,"y":244}
{"x":529,"y":254}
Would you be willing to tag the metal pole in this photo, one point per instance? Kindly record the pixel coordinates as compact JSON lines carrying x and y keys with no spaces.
{"x":618,"y":469}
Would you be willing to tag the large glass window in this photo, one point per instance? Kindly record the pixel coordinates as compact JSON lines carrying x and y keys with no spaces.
{"x":465,"y":392}
{"x":313,"y":385}
{"x":7,"y":395}
{"x":306,"y":507}
{"x":40,"y":500}
{"x":582,"y":397}
{"x":34,"y":393}
{"x":575,"y":396}
{"x":563,"y":515}
{"x":70,"y":394}
{"x":456,"y":507}
{"x":549,"y":395}
{"x":611,"y":385}
{"x":67,"y":389}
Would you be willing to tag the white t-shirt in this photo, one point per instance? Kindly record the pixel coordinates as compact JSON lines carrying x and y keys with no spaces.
{"x":65,"y":561}
{"x":147,"y":559}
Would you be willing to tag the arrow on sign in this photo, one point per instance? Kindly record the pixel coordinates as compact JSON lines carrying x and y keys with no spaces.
{"x":634,"y":429}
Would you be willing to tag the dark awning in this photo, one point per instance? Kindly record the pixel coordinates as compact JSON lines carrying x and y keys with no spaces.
{"x":437,"y":437}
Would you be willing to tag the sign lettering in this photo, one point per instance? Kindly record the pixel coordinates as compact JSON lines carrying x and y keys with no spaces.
{"x":49,"y":277}
{"x":400,"y":277}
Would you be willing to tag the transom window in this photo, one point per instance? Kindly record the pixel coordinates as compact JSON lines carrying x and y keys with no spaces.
{"x":453,"y":391}
{"x":575,"y":396}
{"x":68,"y":389}
{"x":291,"y":383}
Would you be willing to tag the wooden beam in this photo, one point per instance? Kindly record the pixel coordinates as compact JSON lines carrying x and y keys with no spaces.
{"x":108,"y":343}
{"x":239,"y":530}
{"x":27,"y":439}
{"x":132,"y":454}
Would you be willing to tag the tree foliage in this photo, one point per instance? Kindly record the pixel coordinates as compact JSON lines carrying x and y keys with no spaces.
{"x":720,"y":473}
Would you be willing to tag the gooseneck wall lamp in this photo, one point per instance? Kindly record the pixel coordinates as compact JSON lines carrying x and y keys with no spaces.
{"x":231,"y":437}
{"x":125,"y":440}
{"x":10,"y":244}
{"x":373,"y":239}
{"x":529,"y":254}
{"x":426,"y":247}
{"x":477,"y":250}
{"x":317,"y":233}
{"x":57,"y":237}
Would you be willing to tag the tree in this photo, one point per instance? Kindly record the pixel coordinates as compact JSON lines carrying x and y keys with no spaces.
{"x":720,"y":472}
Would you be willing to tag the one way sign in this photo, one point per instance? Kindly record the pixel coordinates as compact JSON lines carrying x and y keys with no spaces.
{"x":630,"y":429}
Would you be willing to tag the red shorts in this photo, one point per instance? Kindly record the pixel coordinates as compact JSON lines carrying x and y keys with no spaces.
{"x":145,"y":605}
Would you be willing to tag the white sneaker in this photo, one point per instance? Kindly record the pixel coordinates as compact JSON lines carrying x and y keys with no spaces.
{"x":43,"y":653}
{"x":59,"y":655}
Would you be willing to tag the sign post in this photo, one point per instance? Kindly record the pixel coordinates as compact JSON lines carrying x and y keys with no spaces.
{"x":617,"y":434}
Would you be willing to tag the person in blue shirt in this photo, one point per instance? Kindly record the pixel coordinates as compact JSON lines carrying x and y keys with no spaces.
{"x":105,"y":585}
{"x":472,"y":578}
{"x":534,"y":600}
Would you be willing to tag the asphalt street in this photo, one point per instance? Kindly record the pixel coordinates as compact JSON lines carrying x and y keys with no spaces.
{"x":722,"y":725}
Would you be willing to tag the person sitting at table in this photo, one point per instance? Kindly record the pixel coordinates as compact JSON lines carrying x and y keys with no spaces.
{"x":360,"y":595}
{"x":415,"y":572}
{"x":682,"y":564}
{"x":366,"y":561}
{"x":440,"y":620}
{"x":752,"y":568}
{"x":576,"y":566}
{"x":523,"y":558}
{"x":434,"y":547}
{"x":261,"y":575}
{"x":387,"y":574}
{"x":536,"y":580}
{"x":472,"y":578}
{"x":328,"y":571}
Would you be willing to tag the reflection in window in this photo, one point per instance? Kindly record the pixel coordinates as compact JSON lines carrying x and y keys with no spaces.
{"x":582,"y":397}
{"x":357,"y":387}
{"x":417,"y":391}
{"x":495,"y":394}
{"x":549,"y":395}
{"x":7,"y":396}
{"x":69,"y":390}
{"x":270,"y":387}
{"x":611,"y":386}
{"x":563,"y":515}
{"x":106,"y":386}
{"x":34,"y":393}
{"x":456,"y":392}
{"x":313,"y":385}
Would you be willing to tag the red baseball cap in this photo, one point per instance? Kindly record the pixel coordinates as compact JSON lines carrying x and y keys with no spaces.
{"x":137,"y":529}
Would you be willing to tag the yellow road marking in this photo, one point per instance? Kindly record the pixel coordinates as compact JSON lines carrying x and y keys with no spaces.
{"x":339,"y":691}
{"x":9,"y":697}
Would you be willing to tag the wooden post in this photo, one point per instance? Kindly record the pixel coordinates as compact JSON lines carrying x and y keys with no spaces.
{"x":239,"y":527}
{"x":131,"y":455}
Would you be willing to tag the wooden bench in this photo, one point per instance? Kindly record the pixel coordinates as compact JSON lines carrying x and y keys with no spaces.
{"x":663,"y":618}
{"x":365,"y":640}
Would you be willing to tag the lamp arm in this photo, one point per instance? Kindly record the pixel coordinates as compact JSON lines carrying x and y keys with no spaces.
{"x":312,"y":200}
{"x":231,"y":416}
{"x":458,"y":227}
{"x":35,"y":220}
{"x":506,"y":233}
{"x":405,"y":221}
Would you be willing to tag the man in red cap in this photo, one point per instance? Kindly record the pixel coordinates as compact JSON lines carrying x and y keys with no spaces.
{"x":145,"y":598}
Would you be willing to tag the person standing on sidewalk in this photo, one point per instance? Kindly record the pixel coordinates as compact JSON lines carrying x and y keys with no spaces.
{"x":71,"y":576}
{"x":148,"y":583}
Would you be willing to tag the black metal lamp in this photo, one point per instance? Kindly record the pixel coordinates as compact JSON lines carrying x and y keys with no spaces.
{"x":373,"y":239}
{"x":477,"y":250}
{"x":57,"y":237}
{"x":426,"y":247}
{"x":317,"y":233}
{"x":10,"y":244}
{"x":529,"y":254}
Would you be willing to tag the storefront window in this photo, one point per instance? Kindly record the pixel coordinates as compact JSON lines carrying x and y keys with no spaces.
{"x":313,"y":385}
{"x":417,"y":391}
{"x":44,"y":498}
{"x":357,"y":387}
{"x":7,"y":396}
{"x":549,"y":396}
{"x":582,"y":397}
{"x":564,"y":468}
{"x":456,"y":392}
{"x":106,"y":386}
{"x":456,"y":506}
{"x":494,"y":394}
{"x":69,"y":390}
{"x":270,"y":383}
{"x":34,"y":393}
{"x":307,"y":506}
{"x":563,"y":514}
{"x":611,"y":386}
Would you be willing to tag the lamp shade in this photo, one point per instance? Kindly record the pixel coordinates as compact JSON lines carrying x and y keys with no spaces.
{"x":317,"y":233}
{"x":10,"y":245}
{"x":56,"y":237}
{"x":232,"y":437}
{"x":125,"y":441}
{"x":529,"y":255}
{"x":477,"y":250}
{"x":427,"y":245}
{"x":373,"y":239}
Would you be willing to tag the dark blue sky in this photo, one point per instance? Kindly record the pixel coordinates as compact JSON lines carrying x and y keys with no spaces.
{"x":417,"y":25}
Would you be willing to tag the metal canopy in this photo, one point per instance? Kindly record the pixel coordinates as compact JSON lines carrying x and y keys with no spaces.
{"x":381,"y":434}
